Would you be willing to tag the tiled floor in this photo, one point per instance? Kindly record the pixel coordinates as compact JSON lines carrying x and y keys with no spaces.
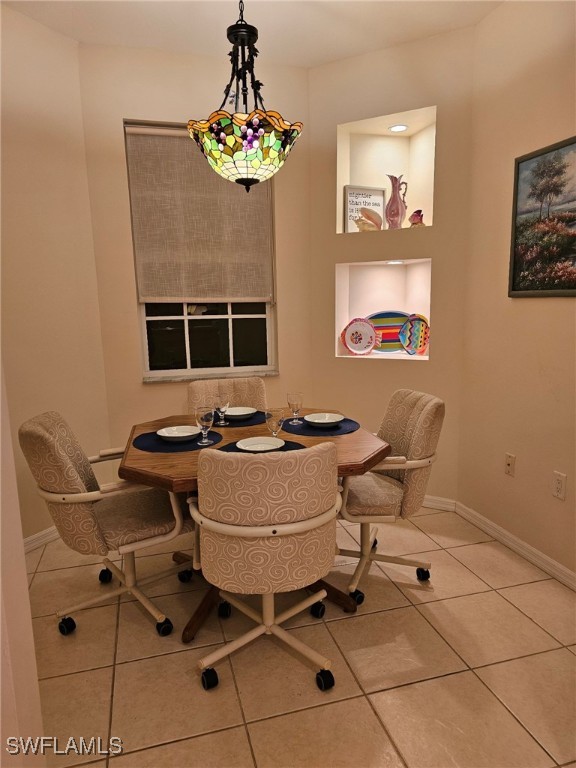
{"x":477,"y":669}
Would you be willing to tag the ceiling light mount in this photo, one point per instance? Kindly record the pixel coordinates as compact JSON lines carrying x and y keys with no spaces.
{"x":244,"y":147}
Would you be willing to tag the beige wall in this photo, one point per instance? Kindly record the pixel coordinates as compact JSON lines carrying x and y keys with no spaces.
{"x":515,"y":393}
{"x":122,"y":83}
{"x":51,"y":340}
{"x":404,"y":78}
{"x":519,"y":371}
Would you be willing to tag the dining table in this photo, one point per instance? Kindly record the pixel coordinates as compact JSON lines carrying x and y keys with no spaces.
{"x":173,"y":466}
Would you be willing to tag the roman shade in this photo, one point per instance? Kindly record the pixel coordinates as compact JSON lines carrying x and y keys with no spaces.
{"x":195,"y":238}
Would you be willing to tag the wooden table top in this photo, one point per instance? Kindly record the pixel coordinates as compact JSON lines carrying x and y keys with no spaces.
{"x":357,"y":452}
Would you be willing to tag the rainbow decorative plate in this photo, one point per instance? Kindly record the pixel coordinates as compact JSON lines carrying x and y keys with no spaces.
{"x":415,"y":335}
{"x":388,"y":326}
{"x":359,"y":336}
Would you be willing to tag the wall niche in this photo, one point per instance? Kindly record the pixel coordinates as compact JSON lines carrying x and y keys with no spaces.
{"x":369,"y":153}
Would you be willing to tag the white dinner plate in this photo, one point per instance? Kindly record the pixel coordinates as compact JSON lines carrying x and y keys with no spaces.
{"x":323,"y":419}
{"x":176,"y":434}
{"x":240,"y":412}
{"x":260,"y":444}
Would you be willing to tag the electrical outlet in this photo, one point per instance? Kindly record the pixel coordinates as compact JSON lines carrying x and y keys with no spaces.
{"x":559,"y":485}
{"x":509,"y":464}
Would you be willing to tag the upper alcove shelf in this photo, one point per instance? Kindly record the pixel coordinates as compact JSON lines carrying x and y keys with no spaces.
{"x":385,"y":177}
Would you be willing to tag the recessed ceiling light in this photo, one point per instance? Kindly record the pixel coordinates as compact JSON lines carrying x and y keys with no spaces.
{"x":395,"y":262}
{"x":398,"y":128}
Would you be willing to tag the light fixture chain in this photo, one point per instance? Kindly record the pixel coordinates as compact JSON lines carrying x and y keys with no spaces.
{"x":241,"y":6}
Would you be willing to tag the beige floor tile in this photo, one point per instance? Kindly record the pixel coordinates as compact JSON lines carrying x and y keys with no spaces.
{"x":59,"y":590}
{"x":400,"y":538}
{"x":30,"y":578}
{"x":448,"y":578}
{"x":572,"y":648}
{"x":450,"y":530}
{"x":485,"y":628}
{"x":224,"y":749}
{"x":164,"y":695}
{"x":147,"y":566}
{"x":33,"y":558}
{"x":90,"y":646}
{"x":393,"y":648}
{"x":456,"y":721}
{"x":273,"y":679}
{"x":76,"y":705}
{"x":59,"y":555}
{"x":342,"y":735}
{"x":137,"y":637}
{"x":540,"y":691}
{"x":550,"y":604}
{"x":497,"y":565}
{"x":380,"y":593}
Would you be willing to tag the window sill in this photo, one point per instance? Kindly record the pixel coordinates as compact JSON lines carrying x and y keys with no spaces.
{"x":195,"y":376}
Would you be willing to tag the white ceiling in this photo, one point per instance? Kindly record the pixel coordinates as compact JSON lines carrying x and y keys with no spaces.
{"x":292,"y":32}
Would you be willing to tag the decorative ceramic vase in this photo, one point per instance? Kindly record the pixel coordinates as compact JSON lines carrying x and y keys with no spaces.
{"x":396,"y":206}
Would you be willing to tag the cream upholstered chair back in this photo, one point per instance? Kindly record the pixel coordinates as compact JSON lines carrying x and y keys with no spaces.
{"x":256,"y":490}
{"x":59,"y":465}
{"x":412,"y":426}
{"x":249,"y":391}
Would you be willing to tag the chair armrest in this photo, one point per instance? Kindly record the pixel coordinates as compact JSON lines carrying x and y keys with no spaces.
{"x":106,"y":491}
{"x":107,"y":454}
{"x":401,"y":462}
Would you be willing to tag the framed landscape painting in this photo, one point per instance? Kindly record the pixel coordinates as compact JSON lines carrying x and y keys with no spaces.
{"x":543,"y":251}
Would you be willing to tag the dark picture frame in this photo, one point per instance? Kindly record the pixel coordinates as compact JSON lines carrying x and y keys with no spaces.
{"x":543,"y":247}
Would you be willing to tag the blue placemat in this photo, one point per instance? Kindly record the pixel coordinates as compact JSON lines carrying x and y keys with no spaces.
{"x":289,"y":445}
{"x":344,"y":427}
{"x":150,"y":441}
{"x":257,"y":418}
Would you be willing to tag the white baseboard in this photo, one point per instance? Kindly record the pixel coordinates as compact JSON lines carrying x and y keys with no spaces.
{"x":40,"y":538}
{"x":437,"y":502}
{"x":530,"y":553}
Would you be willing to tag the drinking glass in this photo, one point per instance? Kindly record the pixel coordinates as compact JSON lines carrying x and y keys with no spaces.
{"x":205,"y":419}
{"x":274,"y":420}
{"x":221,"y":404}
{"x":295,"y":403}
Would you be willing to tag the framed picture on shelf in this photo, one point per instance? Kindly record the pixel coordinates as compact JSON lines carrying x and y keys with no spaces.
{"x":543,"y":248}
{"x":363,"y":209}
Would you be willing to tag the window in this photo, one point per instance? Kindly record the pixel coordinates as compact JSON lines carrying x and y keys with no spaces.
{"x":204,"y":261}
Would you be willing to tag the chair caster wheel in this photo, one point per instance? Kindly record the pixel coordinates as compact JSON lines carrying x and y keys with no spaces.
{"x":375,"y":544}
{"x":209,"y":678}
{"x":105,"y":576}
{"x":324,"y":679}
{"x":67,"y":625}
{"x":185,"y":576}
{"x":422,"y":574}
{"x":317,"y":610}
{"x":164,"y":628}
{"x":357,"y":596}
{"x":224,"y":612}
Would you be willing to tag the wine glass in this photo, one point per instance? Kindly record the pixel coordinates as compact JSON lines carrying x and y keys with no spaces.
{"x":295,"y":403}
{"x":205,"y":419}
{"x":274,"y":420}
{"x":221,"y":404}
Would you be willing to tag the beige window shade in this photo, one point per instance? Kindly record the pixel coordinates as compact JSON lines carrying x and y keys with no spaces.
{"x":196,"y":237}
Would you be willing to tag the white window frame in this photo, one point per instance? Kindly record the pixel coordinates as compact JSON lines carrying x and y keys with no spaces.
{"x":188,"y":373}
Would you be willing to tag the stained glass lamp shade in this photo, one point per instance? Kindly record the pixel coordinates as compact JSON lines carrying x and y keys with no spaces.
{"x":244,"y":147}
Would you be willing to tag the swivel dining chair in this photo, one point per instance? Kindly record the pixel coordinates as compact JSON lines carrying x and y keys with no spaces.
{"x":249,"y":391}
{"x":396,"y":487}
{"x":99,"y":519}
{"x":267,"y":525}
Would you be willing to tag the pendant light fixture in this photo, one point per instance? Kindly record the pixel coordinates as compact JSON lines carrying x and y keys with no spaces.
{"x":245,"y":147}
